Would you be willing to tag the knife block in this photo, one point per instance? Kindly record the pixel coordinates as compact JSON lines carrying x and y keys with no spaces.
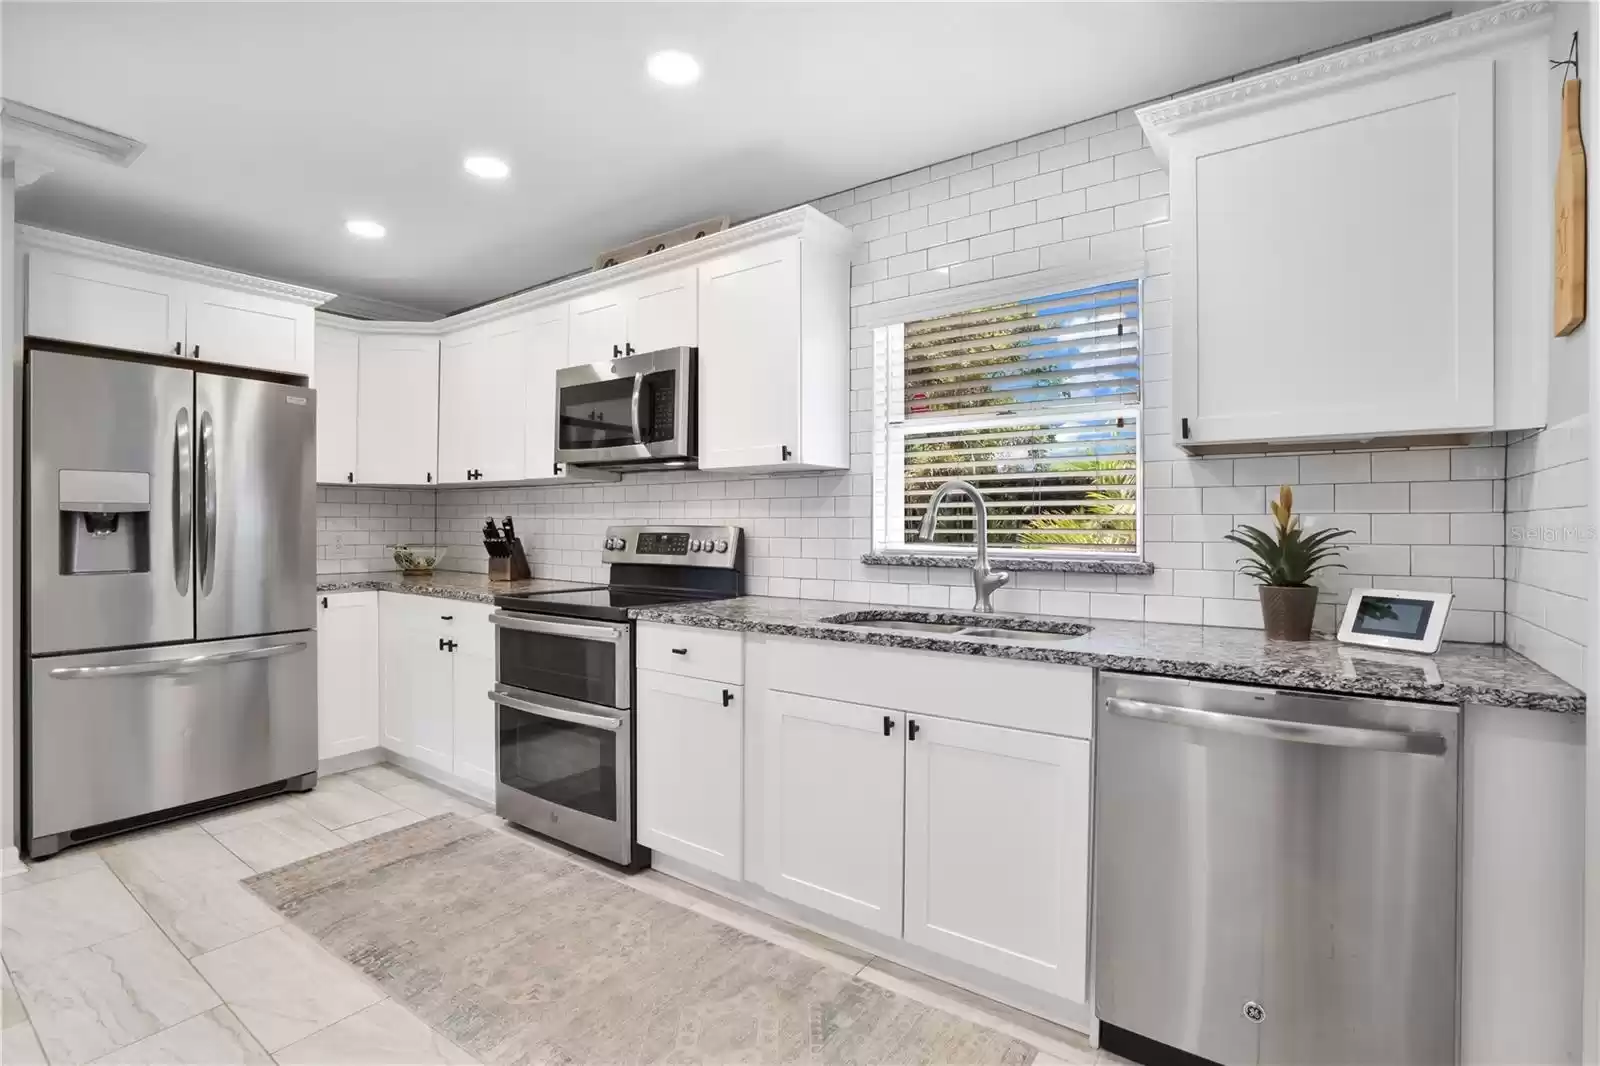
{"x":513,"y":567}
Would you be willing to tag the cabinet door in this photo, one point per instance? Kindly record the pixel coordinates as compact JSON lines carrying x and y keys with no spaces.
{"x":481,"y":403}
{"x":690,"y":748}
{"x":336,"y":382}
{"x":1286,"y":339}
{"x":663,"y":312}
{"x":474,"y":747}
{"x":91,"y":302}
{"x":599,"y":327}
{"x":833,"y":801}
{"x":750,"y":356}
{"x":247,"y":329}
{"x":398,"y":411}
{"x":997,"y":850}
{"x":418,"y":687}
{"x":347,"y":674}
{"x":544,"y":353}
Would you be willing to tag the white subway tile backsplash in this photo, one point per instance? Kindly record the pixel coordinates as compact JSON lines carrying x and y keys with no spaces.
{"x":1450,"y":496}
{"x":1411,"y":528}
{"x":1423,"y":465}
{"x":1273,"y":470}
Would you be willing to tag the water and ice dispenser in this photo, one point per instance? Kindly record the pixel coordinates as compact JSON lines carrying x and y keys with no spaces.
{"x":105,"y":521}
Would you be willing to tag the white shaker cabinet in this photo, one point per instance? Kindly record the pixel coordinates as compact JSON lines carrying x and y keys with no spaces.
{"x":89,"y":301}
{"x":397,"y":417}
{"x":832,"y":804}
{"x":474,"y":747}
{"x":599,"y":326}
{"x":347,"y":673}
{"x":482,"y":402}
{"x":997,"y":850}
{"x":1360,"y":244}
{"x":248,"y":329}
{"x":336,"y":380}
{"x":657,"y":311}
{"x":774,"y":355}
{"x":546,"y":349}
{"x":417,"y":688}
{"x":689,"y":740}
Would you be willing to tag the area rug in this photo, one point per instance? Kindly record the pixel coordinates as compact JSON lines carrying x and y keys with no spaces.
{"x":523,"y":957}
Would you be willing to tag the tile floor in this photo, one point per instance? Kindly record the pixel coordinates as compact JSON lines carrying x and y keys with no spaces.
{"x":145,"y":949}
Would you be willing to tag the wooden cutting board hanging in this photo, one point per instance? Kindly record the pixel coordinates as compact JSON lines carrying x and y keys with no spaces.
{"x":1572,"y":213}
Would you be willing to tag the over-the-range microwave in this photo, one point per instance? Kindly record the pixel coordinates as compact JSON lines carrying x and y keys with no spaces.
{"x":633,"y":410}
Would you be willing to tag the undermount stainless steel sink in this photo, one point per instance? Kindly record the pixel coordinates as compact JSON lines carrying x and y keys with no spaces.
{"x":1019,"y":630}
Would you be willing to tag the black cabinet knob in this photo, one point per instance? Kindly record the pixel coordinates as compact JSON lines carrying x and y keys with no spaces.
{"x":888,"y":725}
{"x":911,"y":729}
{"x":786,"y":453}
{"x":627,"y":349}
{"x":350,"y":476}
{"x":430,"y":477}
{"x":197,"y":351}
{"x":616,"y":351}
{"x":324,"y":602}
{"x":177,"y":348}
{"x":727,"y":697}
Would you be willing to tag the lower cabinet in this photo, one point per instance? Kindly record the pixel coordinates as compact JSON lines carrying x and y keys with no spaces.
{"x":997,"y":850}
{"x":833,"y":807}
{"x":438,"y":666}
{"x":347,"y":673}
{"x":690,"y":751}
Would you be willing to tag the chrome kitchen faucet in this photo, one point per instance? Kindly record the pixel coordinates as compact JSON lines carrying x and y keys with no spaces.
{"x":984,"y":580}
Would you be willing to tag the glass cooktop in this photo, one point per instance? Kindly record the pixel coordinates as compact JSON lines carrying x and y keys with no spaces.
{"x":602,"y":601}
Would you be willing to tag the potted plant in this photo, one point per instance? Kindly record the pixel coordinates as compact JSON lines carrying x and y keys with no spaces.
{"x":1285,"y":562}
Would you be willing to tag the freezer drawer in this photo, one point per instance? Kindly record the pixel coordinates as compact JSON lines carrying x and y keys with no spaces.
{"x":1275,"y":873}
{"x":117,"y":735}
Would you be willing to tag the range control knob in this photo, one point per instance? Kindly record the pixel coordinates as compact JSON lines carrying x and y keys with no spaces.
{"x":694,"y":545}
{"x":722,"y":546}
{"x":614,"y":544}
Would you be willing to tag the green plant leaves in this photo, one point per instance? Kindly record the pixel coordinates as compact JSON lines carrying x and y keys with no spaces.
{"x":1292,"y":557}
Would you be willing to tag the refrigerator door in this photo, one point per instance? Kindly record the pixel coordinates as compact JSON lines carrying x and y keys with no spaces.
{"x":121,"y":734}
{"x":255,"y":507}
{"x":110,"y":447}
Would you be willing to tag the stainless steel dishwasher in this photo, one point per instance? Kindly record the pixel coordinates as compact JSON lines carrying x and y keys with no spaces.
{"x":1275,"y":874}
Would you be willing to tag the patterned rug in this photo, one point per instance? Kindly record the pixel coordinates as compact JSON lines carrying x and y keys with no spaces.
{"x":522,"y":957}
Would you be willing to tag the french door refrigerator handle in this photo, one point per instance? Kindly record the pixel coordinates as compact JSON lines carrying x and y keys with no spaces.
{"x":1339,"y":736}
{"x":182,"y":502}
{"x":610,"y":725}
{"x":187,"y":665}
{"x":208,"y":502}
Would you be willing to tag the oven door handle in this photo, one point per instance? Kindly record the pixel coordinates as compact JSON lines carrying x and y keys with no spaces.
{"x":598,"y":721}
{"x":576,"y":630}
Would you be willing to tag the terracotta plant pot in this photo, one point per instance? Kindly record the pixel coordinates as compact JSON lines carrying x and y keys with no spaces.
{"x":1287,"y":611}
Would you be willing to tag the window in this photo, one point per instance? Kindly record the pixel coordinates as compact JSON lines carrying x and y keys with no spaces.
{"x":1036,"y":402}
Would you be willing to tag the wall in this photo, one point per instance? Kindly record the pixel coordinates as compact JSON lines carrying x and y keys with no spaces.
{"x":10,"y":450}
{"x":354,"y":525}
{"x":1549,"y":536}
{"x":1090,"y":194}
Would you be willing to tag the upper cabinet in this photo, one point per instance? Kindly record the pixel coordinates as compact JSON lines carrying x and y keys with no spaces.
{"x":483,"y":402}
{"x":1360,"y":243}
{"x":337,"y":381}
{"x":91,"y":293}
{"x":548,"y":328}
{"x":774,"y":353}
{"x":656,"y":312}
{"x":397,"y":410}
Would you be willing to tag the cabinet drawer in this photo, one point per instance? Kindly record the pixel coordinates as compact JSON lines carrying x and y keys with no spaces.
{"x":711,"y":654}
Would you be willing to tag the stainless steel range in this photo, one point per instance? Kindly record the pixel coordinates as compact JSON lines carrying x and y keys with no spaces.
{"x":564,"y":683}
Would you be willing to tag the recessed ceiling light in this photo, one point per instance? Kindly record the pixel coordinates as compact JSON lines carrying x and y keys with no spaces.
{"x":486,"y":166}
{"x":674,"y":68}
{"x":365,"y":227}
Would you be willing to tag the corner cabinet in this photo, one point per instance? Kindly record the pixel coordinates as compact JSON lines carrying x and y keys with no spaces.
{"x":775,"y":353}
{"x":1360,"y":243}
{"x":91,"y":293}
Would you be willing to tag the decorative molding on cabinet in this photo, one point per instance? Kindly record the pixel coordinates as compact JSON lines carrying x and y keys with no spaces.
{"x":30,"y":238}
{"x":1378,"y":58}
{"x":798,"y":221}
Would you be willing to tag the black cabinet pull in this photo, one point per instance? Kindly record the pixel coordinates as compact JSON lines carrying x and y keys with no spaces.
{"x":324,"y":601}
{"x":1185,"y":429}
{"x":430,"y":477}
{"x":616,"y":351}
{"x":441,"y":644}
{"x":888,"y":725}
{"x":447,"y":618}
{"x":727,"y":697}
{"x":786,"y":453}
{"x":627,"y":349}
{"x":911,"y":729}
{"x":197,"y":351}
{"x":177,"y":348}
{"x":680,"y":651}
{"x":350,"y":476}
{"x":555,"y":468}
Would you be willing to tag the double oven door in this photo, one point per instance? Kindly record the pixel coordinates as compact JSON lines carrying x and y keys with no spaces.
{"x":636,"y":408}
{"x":564,"y":721}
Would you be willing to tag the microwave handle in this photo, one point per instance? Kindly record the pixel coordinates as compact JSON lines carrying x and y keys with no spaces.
{"x":633,"y":408}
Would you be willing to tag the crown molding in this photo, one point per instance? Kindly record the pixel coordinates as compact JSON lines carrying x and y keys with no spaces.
{"x":1430,"y":43}
{"x":371,"y":309}
{"x":805,"y":221}
{"x":29,"y":237}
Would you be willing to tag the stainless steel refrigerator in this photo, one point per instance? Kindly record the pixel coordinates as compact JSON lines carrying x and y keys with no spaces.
{"x":171,"y":559}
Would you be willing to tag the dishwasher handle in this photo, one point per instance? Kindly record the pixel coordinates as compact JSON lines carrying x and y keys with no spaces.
{"x":1300,"y":732}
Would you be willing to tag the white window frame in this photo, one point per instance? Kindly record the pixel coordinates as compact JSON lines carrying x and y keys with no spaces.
{"x":887,"y":321}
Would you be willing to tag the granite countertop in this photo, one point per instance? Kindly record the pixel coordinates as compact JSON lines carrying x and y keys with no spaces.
{"x":445,"y":584}
{"x":1457,"y":674}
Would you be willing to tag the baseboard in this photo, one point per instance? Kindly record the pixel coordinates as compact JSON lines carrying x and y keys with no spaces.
{"x":11,"y":861}
{"x":482,"y":797}
{"x":354,"y":760}
{"x":1063,"y":1012}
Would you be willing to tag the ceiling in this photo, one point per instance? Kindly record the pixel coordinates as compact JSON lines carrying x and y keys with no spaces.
{"x":269,"y":124}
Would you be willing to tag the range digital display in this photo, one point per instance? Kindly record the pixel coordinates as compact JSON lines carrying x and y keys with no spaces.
{"x":1390,"y":616}
{"x":662,"y":544}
